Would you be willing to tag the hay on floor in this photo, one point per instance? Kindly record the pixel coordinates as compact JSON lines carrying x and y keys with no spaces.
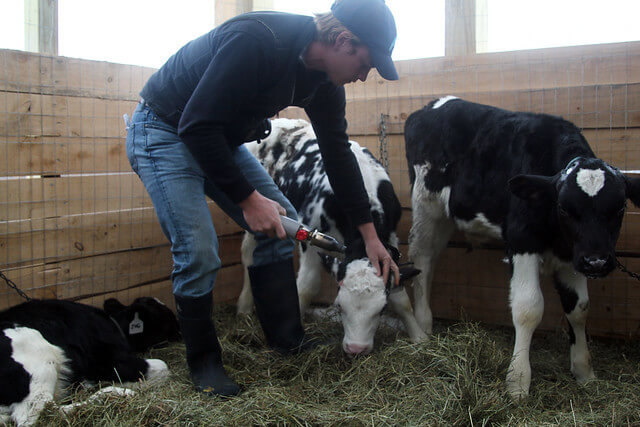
{"x":457,"y":378}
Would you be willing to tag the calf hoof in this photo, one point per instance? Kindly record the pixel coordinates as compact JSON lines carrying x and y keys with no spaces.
{"x":518,"y":382}
{"x":425,"y":325}
{"x":156,"y":372}
{"x":516,"y":393}
{"x":243,"y":311}
{"x":244,"y":308}
{"x":419,"y":337}
{"x":583,"y":375}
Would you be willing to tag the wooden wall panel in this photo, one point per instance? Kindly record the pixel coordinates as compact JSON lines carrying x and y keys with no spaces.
{"x":76,"y":223}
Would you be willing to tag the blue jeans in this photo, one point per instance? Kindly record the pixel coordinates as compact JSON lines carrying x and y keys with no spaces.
{"x":178,"y":186}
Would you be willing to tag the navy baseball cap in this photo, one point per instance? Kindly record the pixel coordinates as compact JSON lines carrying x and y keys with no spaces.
{"x":372,"y":22}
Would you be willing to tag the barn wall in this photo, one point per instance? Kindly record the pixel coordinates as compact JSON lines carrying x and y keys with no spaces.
{"x":76,"y":223}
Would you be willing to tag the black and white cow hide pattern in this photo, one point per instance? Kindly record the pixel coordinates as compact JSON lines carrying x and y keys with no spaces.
{"x":46,"y":346}
{"x":292,"y":157}
{"x":531,"y":180}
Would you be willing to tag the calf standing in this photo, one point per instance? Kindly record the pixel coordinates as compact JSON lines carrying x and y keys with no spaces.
{"x":292,"y":157}
{"x":530,"y":180}
{"x":47,"y":345}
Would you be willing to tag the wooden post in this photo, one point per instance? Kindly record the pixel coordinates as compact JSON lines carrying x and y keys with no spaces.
{"x":226,"y":9}
{"x":482,"y":26}
{"x":466,"y":27}
{"x":41,"y":26}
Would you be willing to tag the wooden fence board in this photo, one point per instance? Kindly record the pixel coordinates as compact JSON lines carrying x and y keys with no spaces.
{"x":42,"y":74}
{"x":604,"y":106}
{"x":503,"y":71}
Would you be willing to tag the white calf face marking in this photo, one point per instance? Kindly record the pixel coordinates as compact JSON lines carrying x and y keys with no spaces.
{"x":440,"y":102}
{"x":590,"y":181}
{"x":361,"y":298}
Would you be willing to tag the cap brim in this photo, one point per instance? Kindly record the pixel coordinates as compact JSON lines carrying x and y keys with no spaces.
{"x":384,"y":65}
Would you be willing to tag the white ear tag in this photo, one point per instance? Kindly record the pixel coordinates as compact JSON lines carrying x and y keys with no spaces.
{"x":136,"y":326}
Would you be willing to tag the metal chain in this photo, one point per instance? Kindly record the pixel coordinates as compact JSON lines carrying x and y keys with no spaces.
{"x":14,"y":286}
{"x":630,"y":273}
{"x":384,"y":152}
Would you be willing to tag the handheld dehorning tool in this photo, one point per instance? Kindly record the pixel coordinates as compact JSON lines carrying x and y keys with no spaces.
{"x":300,"y":232}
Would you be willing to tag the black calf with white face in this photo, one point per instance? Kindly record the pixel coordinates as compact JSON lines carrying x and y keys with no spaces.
{"x":531,"y":180}
{"x":362,"y":298}
{"x":588,"y":198}
{"x":47,"y":345}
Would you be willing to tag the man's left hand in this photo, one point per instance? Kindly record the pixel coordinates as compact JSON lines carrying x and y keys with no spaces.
{"x":378,"y":255}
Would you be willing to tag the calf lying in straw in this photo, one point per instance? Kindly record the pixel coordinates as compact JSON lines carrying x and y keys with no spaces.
{"x":48,"y":345}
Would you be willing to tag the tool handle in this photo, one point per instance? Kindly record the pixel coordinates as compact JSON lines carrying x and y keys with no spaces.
{"x":290,"y":226}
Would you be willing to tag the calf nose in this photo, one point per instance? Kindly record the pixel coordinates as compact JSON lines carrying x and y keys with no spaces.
{"x":595,"y":262}
{"x":355,"y":349}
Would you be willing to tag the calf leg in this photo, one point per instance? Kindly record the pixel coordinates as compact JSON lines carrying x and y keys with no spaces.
{"x":129,"y":369}
{"x":572,"y":288}
{"x":527,"y":307}
{"x":44,"y":362}
{"x":400,"y":303}
{"x":428,"y":237}
{"x":309,"y":280}
{"x":111,"y":390}
{"x":245,"y":300}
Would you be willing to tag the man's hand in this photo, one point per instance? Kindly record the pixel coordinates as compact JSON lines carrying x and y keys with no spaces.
{"x":263,"y":215}
{"x":378,"y":254}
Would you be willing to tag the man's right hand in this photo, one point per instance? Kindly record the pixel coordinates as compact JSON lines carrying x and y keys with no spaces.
{"x":263,"y":215}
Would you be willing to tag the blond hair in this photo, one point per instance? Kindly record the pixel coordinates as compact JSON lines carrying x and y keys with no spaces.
{"x":329,"y":28}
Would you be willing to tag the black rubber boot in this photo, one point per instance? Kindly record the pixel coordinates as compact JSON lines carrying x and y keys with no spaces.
{"x":275,"y":296}
{"x":204,"y":355}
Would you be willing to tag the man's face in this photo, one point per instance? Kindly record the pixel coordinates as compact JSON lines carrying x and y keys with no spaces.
{"x":348,"y":63}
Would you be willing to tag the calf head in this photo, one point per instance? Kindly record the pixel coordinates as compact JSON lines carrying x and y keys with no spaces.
{"x":145,"y":323}
{"x":587,"y":200}
{"x":362,"y":296}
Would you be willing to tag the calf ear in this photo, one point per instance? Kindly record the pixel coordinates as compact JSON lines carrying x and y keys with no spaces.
{"x":395,"y":253}
{"x":633,"y":189}
{"x":408,"y":273}
{"x":535,"y":189}
{"x":330,"y":263}
{"x":113,"y":306}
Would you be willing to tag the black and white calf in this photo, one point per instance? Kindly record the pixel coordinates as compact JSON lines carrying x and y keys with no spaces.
{"x":48,"y":345}
{"x":530,"y":180}
{"x":292,"y":157}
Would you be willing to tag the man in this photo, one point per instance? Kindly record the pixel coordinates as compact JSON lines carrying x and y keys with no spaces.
{"x":185,"y":142}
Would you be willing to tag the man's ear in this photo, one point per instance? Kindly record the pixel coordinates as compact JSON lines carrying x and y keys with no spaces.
{"x":344,"y":40}
{"x":535,"y":189}
{"x":632,"y":189}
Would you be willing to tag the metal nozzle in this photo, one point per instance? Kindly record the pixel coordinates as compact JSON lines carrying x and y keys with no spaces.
{"x":302,"y":233}
{"x":326,"y":242}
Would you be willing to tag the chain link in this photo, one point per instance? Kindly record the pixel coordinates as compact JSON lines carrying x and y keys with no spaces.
{"x":384,"y":152}
{"x":630,"y":273}
{"x":14,"y":286}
